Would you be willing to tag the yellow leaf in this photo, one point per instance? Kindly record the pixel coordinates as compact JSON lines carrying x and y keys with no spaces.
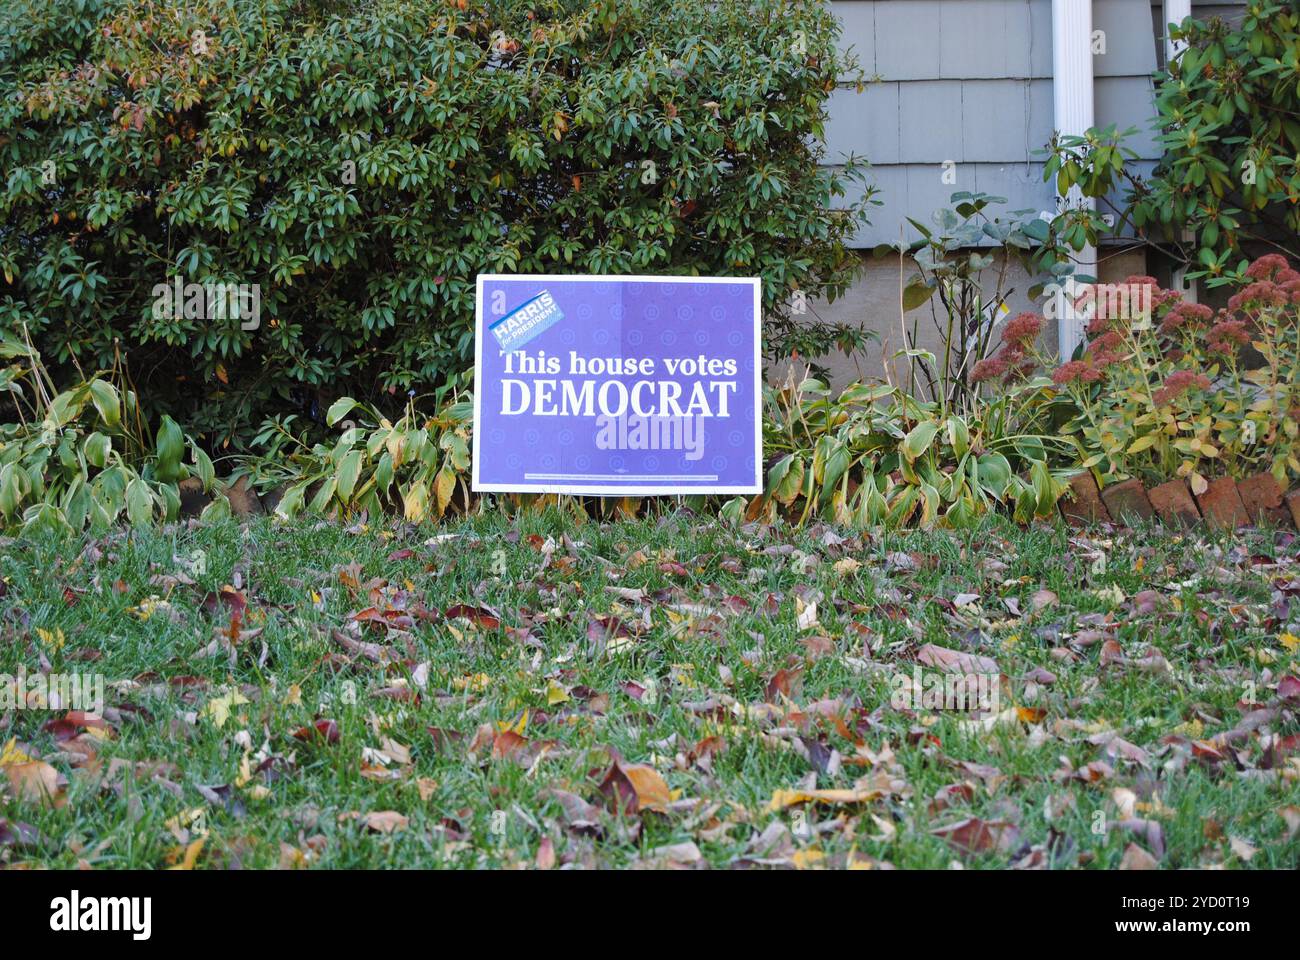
{"x":191,"y":855}
{"x":652,"y":791}
{"x":148,"y":607}
{"x":11,"y":753}
{"x":245,"y":772}
{"x":475,"y":683}
{"x":518,"y":726}
{"x":384,"y":821}
{"x":555,"y":693}
{"x":781,"y":799}
{"x":219,"y":708}
{"x":194,"y":819}
{"x":35,"y":782}
{"x":1193,"y":728}
{"x":807,"y":859}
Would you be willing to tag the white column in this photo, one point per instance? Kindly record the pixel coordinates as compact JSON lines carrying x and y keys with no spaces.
{"x":1176,"y":11}
{"x":1072,"y":98}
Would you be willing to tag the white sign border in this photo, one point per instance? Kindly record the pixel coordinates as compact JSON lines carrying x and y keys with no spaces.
{"x":625,"y":490}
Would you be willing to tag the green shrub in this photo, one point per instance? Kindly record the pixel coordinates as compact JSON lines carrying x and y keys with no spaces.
{"x":362,"y":162}
{"x":1229,"y":120}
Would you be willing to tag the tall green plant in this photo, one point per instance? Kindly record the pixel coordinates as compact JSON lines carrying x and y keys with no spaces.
{"x":963,"y":261}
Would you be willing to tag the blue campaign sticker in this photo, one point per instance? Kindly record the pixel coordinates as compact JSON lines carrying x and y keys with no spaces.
{"x":531,"y":319}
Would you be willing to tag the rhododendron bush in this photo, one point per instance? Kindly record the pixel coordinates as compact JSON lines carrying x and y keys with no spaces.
{"x":1180,"y":389}
{"x":360,"y":163}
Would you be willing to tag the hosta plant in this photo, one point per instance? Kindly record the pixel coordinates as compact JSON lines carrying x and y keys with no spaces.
{"x":874,"y":455}
{"x":84,"y":457}
{"x":414,"y":464}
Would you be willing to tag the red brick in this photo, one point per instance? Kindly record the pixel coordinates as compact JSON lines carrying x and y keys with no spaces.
{"x":1262,"y":498}
{"x":1293,"y":504}
{"x":1085,"y":503}
{"x":1221,"y":504}
{"x":1128,"y":500}
{"x":1174,"y":504}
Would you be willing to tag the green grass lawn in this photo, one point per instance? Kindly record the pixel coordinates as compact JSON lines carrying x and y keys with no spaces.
{"x":666,"y":692}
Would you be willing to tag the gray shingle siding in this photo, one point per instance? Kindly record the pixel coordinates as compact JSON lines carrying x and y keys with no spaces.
{"x":970,"y":81}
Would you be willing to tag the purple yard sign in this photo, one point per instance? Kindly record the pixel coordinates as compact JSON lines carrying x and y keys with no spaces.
{"x":617,"y":385}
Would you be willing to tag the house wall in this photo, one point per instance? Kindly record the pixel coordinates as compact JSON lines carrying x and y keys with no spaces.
{"x":970,"y":81}
{"x":874,"y":303}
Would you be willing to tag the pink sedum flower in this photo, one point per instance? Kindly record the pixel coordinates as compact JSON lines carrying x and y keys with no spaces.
{"x":1178,"y":383}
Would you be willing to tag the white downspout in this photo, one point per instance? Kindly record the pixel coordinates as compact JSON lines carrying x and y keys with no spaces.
{"x":1176,"y":11}
{"x":1072,"y":99}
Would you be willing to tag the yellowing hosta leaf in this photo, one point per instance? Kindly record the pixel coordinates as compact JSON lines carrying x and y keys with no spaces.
{"x":107,"y":403}
{"x":139,"y":502}
{"x":348,"y":474}
{"x":415,"y":502}
{"x":445,"y":485}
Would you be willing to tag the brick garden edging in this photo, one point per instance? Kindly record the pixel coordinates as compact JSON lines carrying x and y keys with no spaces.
{"x":1226,"y":503}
